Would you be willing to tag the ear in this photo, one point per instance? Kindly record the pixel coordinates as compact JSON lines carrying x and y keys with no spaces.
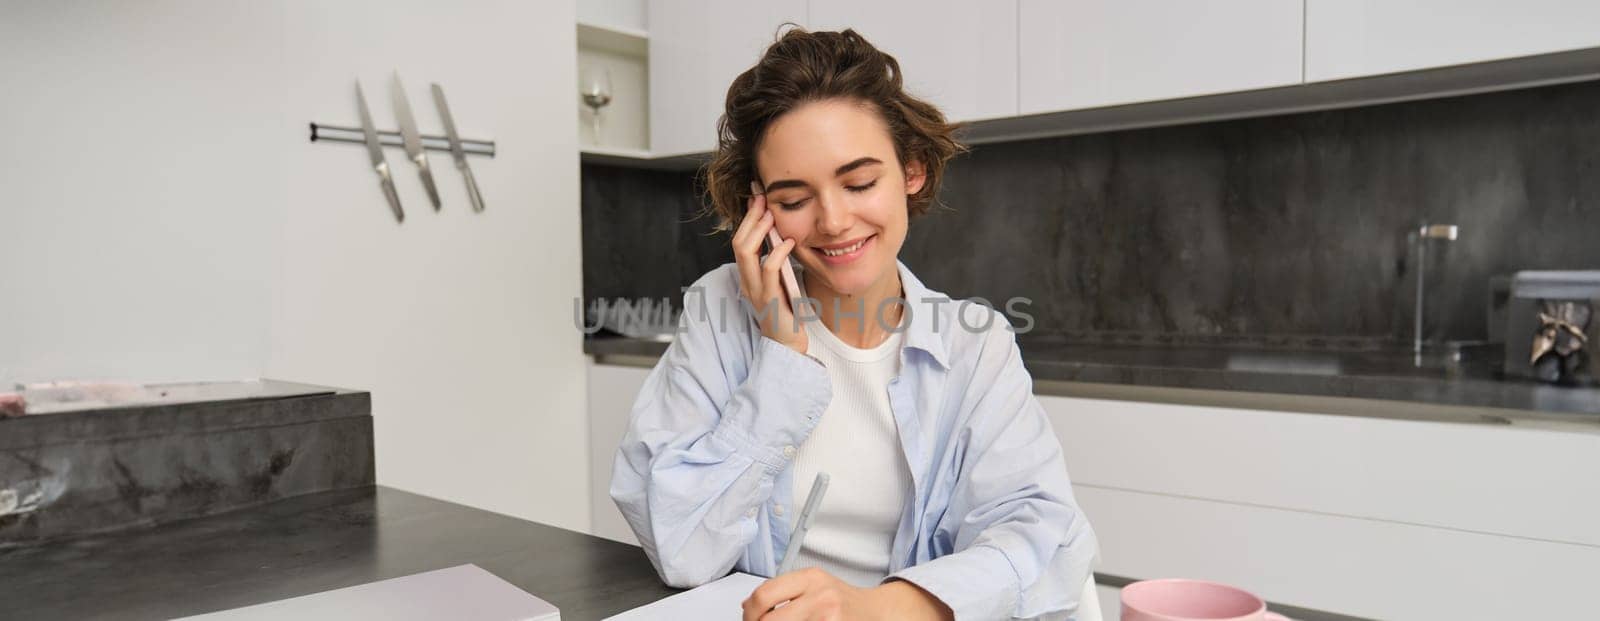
{"x":916,"y":175}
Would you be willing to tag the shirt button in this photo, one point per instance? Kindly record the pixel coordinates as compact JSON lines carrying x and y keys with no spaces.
{"x":777,"y":510}
{"x":751,"y":513}
{"x":788,"y":452}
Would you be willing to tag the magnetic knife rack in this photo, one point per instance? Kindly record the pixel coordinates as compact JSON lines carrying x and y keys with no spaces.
{"x":336,"y":133}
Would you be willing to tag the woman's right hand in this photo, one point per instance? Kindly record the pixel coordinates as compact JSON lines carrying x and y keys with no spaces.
{"x":759,"y":281}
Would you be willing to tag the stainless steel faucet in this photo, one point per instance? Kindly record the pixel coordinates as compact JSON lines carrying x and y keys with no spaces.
{"x":1419,"y":242}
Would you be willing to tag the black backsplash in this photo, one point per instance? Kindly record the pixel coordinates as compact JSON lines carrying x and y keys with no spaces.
{"x":641,"y":236}
{"x":1287,"y":226}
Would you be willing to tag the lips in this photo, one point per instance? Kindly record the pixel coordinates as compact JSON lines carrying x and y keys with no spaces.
{"x":844,"y":248}
{"x":845,"y":252}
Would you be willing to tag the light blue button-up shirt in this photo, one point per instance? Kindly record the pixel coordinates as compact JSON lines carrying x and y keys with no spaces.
{"x":992,"y":528}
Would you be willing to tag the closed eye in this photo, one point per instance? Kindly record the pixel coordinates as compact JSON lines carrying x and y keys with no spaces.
{"x":852,"y":188}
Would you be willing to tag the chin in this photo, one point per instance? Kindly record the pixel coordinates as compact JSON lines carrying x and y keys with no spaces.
{"x":855,"y":278}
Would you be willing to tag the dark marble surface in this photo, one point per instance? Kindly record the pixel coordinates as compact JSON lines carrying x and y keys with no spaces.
{"x":1277,"y":227}
{"x":284,"y":402}
{"x":1440,"y":379}
{"x":98,"y":470}
{"x":312,"y":544}
{"x":642,"y":234}
{"x":1472,"y":381}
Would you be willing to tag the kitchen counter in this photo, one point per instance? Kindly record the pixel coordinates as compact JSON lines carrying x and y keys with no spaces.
{"x":312,"y":544}
{"x":329,"y":541}
{"x":1467,"y":386}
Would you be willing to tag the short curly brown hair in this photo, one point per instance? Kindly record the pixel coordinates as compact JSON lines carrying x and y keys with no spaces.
{"x":803,"y":67}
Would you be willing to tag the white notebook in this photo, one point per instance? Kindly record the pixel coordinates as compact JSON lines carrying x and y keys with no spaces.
{"x":713,"y":601}
{"x":464,"y":593}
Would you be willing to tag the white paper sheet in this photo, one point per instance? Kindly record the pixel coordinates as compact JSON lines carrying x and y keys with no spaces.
{"x":716,"y":601}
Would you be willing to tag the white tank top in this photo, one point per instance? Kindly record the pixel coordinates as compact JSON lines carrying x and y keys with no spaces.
{"x":858,"y":444}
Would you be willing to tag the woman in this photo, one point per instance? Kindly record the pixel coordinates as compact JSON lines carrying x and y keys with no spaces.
{"x":949,"y":496}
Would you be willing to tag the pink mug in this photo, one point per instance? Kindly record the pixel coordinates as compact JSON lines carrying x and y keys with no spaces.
{"x":1178,"y":599}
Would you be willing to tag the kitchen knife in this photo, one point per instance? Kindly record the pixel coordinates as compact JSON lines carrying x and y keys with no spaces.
{"x":375,"y":154}
{"x":455,"y":147}
{"x":413,"y":139}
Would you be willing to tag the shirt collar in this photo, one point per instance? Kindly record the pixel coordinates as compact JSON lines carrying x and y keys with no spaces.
{"x":919,"y":332}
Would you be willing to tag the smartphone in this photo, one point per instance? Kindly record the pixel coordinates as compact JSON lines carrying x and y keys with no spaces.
{"x":786,"y":272}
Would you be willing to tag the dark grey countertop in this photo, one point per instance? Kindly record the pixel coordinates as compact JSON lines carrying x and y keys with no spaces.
{"x":311,"y":544}
{"x":333,"y":540}
{"x":1470,"y":381}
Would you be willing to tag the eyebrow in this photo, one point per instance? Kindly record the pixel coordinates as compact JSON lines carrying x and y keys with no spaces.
{"x":839,"y":172}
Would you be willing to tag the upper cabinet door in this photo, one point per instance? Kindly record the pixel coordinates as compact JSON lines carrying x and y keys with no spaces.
{"x":697,"y":48}
{"x":1090,"y":53}
{"x":1353,"y":38}
{"x":960,"y":55}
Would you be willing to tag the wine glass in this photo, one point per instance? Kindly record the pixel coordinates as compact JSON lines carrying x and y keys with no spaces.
{"x":597,"y":94}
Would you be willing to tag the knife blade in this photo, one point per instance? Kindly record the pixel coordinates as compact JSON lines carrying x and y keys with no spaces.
{"x":456,"y":151}
{"x":375,"y":155}
{"x":413,"y":138}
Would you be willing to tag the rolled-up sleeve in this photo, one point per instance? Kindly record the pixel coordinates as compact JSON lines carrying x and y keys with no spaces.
{"x":703,"y":449}
{"x":1021,"y":547}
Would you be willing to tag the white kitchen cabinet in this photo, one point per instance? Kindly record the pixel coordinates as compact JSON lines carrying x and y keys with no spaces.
{"x":1363,"y":568}
{"x":612,"y":389}
{"x":1380,"y":518}
{"x":1078,"y":54}
{"x":697,"y":47}
{"x":1110,"y":601}
{"x":961,"y":55}
{"x":1356,"y":38}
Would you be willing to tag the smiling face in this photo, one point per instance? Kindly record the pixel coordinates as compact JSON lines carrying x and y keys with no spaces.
{"x":835,"y":186}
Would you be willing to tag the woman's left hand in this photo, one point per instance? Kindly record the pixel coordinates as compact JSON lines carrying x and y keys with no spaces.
{"x":815,"y":595}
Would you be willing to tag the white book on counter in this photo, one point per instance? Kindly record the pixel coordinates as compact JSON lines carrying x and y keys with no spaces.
{"x":713,"y":601}
{"x":464,"y":593}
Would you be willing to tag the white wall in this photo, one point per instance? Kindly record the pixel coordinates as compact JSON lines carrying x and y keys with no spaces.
{"x":616,"y":13}
{"x":166,"y":218}
{"x":140,"y":174}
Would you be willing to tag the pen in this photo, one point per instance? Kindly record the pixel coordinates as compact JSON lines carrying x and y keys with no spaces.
{"x":818,"y":487}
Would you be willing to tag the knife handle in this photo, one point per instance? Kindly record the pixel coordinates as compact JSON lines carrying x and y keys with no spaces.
{"x":394,"y":199}
{"x":427,"y":180}
{"x":472,"y":189}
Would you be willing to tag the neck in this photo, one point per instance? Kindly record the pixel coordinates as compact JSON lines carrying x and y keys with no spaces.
{"x":856,"y":319}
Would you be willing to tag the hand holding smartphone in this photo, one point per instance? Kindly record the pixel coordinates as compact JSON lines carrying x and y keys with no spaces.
{"x":756,"y":242}
{"x":791,"y":284}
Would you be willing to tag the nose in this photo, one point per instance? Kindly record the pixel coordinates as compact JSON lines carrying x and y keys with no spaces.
{"x":834,"y":216}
